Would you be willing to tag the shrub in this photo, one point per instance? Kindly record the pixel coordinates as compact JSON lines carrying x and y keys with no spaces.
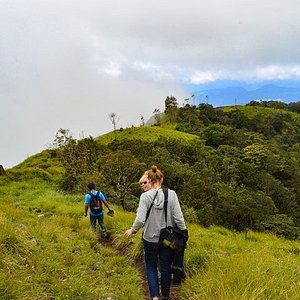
{"x":282,"y":225}
{"x":131,"y":203}
{"x":190,"y":214}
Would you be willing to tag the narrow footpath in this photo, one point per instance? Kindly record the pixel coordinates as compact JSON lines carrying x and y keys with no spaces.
{"x":139,"y":265}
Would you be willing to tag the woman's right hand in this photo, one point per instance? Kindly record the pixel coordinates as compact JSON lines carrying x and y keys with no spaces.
{"x":128,"y":233}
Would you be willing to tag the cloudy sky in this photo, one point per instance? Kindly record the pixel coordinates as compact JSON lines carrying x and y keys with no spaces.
{"x":69,"y":63}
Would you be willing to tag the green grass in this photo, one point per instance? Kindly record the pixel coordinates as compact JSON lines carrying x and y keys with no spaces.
{"x":145,"y":133}
{"x":225,"y":265}
{"x":44,"y":165}
{"x":261,"y":112}
{"x":48,"y":251}
{"x":222,"y":264}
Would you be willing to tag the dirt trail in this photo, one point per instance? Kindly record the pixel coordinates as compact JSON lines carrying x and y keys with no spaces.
{"x":139,"y":265}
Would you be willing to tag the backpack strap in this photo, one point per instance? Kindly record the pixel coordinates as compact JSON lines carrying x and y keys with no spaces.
{"x":97,"y":194}
{"x":165,"y":190}
{"x":149,"y":209}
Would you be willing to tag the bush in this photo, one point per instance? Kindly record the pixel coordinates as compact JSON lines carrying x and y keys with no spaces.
{"x":131,"y":203}
{"x":190,"y":214}
{"x":206,"y":215}
{"x":282,"y":225}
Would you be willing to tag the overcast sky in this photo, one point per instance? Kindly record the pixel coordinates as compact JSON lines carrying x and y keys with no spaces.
{"x":69,"y":63}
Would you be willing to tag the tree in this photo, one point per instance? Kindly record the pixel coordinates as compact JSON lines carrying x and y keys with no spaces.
{"x":241,"y":208}
{"x":121,"y":169}
{"x":171,"y":108}
{"x":142,"y":120}
{"x":263,"y":158}
{"x":216,"y":134}
{"x":281,"y":225}
{"x":188,"y":120}
{"x":208,"y":114}
{"x":79,"y":158}
{"x":294,"y":106}
{"x":62,"y":137}
{"x":114,"y":120}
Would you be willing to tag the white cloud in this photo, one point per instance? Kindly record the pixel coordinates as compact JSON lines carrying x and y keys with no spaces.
{"x":261,"y":73}
{"x":156,"y":72}
{"x":112,"y":69}
{"x":204,"y":77}
{"x":65,"y":62}
{"x":274,"y":72}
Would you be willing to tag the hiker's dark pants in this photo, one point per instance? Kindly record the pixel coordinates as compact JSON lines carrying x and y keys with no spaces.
{"x":155,"y":253}
{"x":94,"y":219}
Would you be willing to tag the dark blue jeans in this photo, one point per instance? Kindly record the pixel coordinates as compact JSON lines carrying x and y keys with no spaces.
{"x":154,"y":254}
{"x":94,"y":220}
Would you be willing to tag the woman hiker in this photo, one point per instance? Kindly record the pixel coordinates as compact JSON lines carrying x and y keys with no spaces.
{"x":156,"y":253}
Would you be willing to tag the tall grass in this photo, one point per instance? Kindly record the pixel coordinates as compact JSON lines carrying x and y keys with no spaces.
{"x":224,"y":265}
{"x":145,"y":133}
{"x":47,"y":251}
{"x":228,"y":266}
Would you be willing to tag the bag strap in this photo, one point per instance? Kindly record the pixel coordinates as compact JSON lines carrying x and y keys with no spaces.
{"x":165,"y":190}
{"x":149,"y":209}
{"x":99,"y":199}
{"x":97,"y":194}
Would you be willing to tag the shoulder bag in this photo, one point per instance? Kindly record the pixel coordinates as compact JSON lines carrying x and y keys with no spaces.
{"x":172,"y":237}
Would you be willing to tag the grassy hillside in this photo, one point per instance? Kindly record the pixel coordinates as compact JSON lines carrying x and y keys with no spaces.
{"x":47,"y":165}
{"x":230,"y":171}
{"x":263,"y":112}
{"x":146,"y":134}
{"x":44,"y":165}
{"x":49,"y":252}
{"x":221,"y":161}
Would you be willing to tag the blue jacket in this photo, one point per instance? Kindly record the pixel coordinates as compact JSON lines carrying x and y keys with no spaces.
{"x":88,"y":201}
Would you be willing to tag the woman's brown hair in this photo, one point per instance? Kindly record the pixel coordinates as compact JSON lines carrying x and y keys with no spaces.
{"x":155,"y":175}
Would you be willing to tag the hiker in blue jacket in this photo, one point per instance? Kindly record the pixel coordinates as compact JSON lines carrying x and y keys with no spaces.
{"x":96,"y":213}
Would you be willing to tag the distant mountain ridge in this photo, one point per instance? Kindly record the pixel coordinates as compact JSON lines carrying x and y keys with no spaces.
{"x":240,"y":95}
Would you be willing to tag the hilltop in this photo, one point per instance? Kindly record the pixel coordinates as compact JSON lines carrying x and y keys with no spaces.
{"x":144,"y":134}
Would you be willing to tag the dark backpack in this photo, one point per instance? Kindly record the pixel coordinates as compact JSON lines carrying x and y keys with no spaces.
{"x":96,"y":203}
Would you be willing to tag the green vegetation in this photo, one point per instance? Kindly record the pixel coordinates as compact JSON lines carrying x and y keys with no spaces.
{"x":229,"y":266}
{"x":144,"y":134}
{"x":45,"y":165}
{"x":48,"y":251}
{"x":236,"y":171}
{"x":236,"y":167}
